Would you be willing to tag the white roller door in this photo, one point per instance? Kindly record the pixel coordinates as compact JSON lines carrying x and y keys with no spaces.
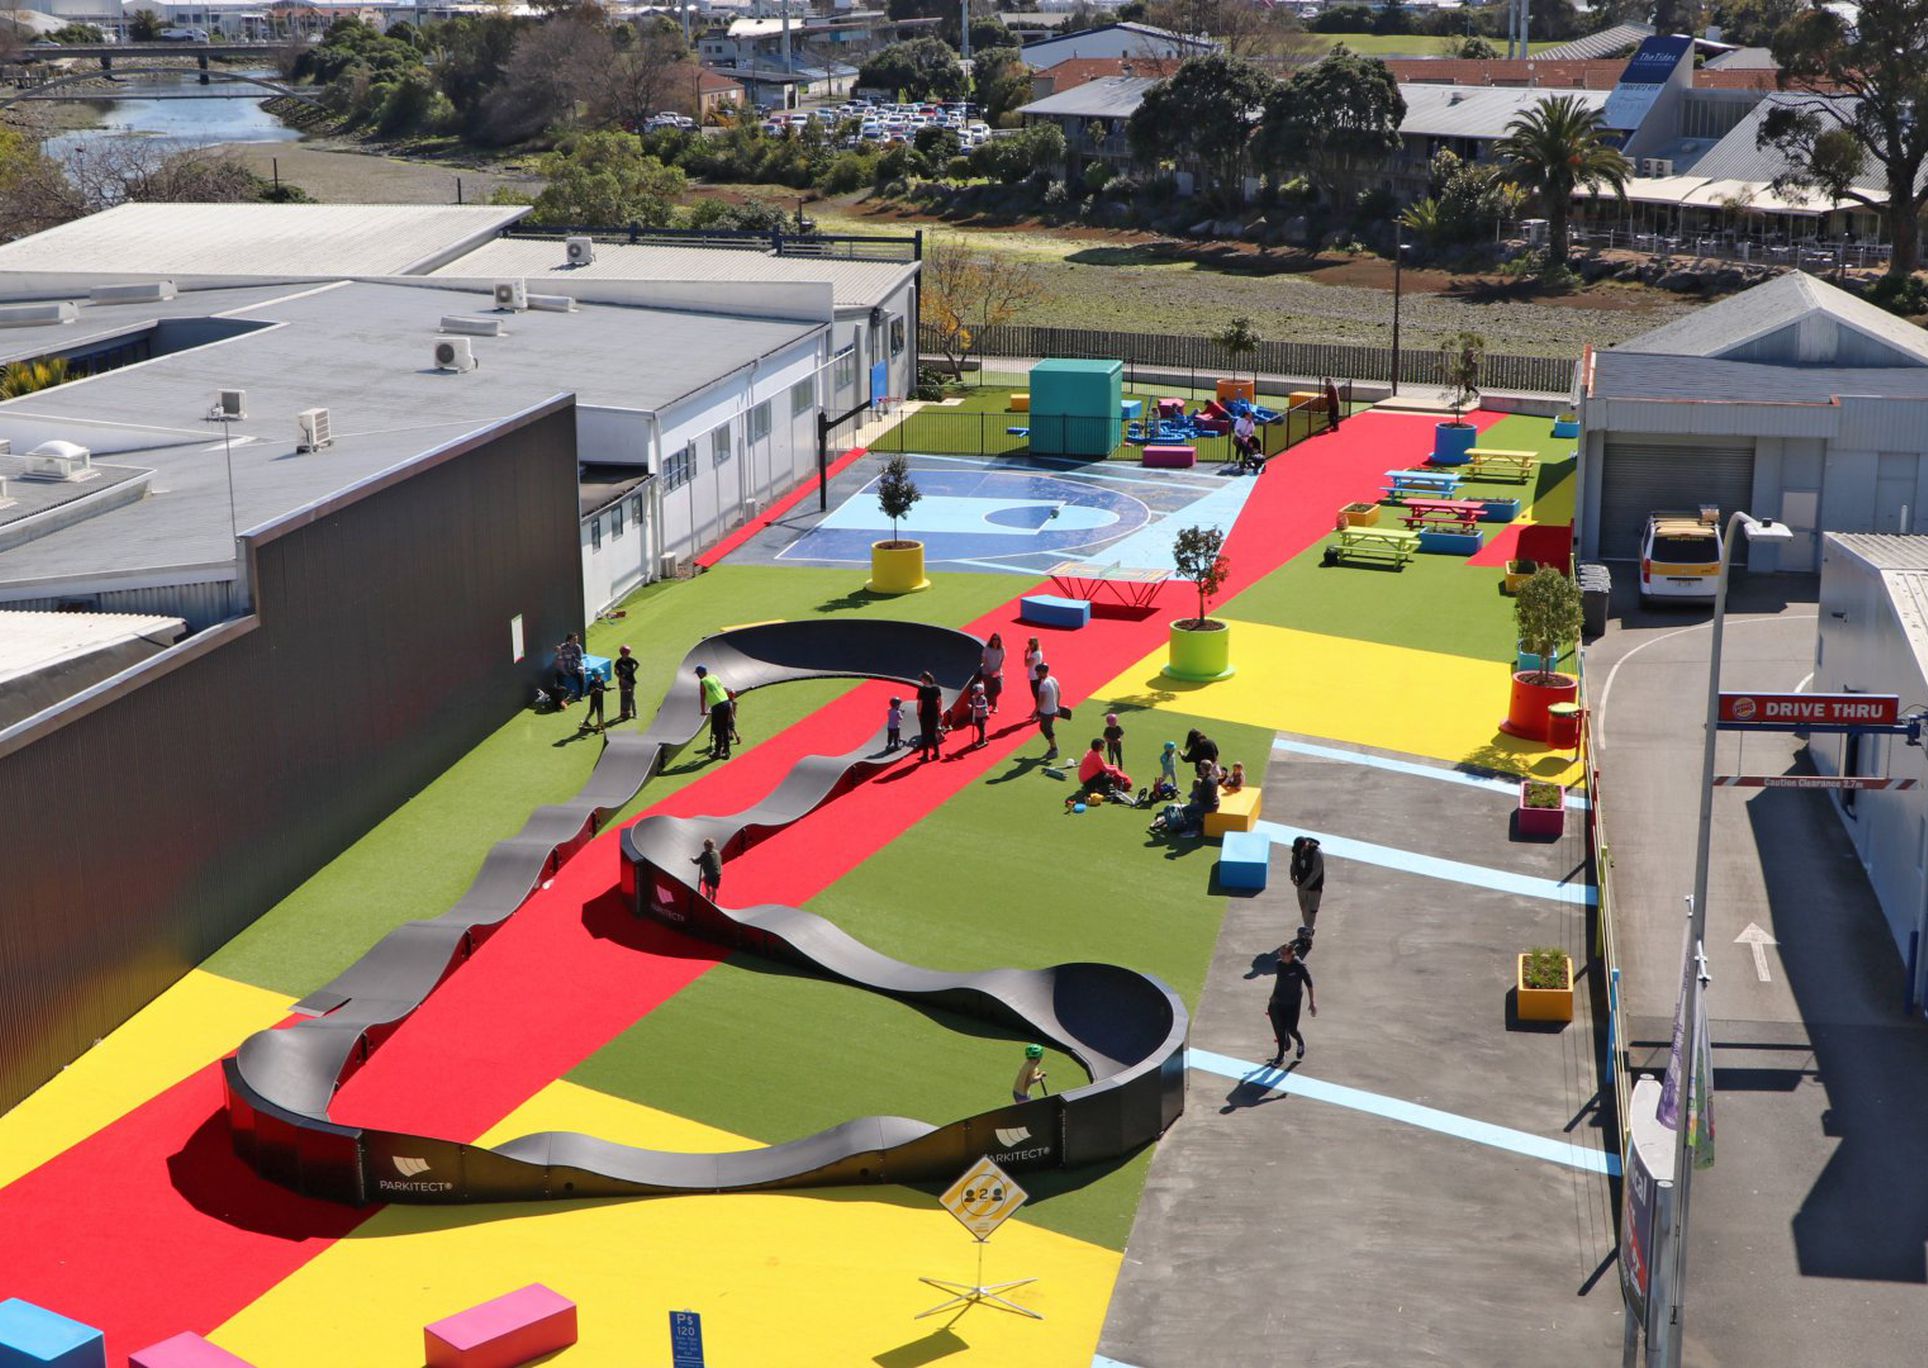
{"x":1638,"y":477}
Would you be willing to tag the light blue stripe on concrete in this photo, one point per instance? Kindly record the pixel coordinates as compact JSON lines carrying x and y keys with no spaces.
{"x":1100,"y":1361}
{"x":1153,"y":545}
{"x":1493,"y":783}
{"x":1411,"y":1113}
{"x":993,"y":565}
{"x":1433,"y":867}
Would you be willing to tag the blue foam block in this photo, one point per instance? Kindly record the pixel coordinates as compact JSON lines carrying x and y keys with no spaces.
{"x":34,"y":1337}
{"x":1450,"y":543}
{"x":1050,"y":610}
{"x":1244,"y":859}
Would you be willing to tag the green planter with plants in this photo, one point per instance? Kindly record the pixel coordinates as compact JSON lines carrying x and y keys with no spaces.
{"x":1546,"y":615}
{"x":897,"y":565}
{"x":1543,"y":985}
{"x":1542,"y":811}
{"x":1200,"y":648}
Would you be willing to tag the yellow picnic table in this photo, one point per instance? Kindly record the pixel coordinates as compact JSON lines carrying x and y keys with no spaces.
{"x":1384,"y":543}
{"x":1498,"y":463}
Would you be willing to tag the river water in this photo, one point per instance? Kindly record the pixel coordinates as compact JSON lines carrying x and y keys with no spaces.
{"x":143,"y":110}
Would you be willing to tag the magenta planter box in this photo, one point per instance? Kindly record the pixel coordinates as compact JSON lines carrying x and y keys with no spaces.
{"x":1542,"y":823}
{"x":512,"y":1329}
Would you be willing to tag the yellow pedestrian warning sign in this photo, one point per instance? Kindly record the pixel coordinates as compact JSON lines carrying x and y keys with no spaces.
{"x":984,"y":1198}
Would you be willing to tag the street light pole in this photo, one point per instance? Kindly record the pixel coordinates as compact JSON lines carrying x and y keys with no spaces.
{"x":1398,"y":266}
{"x":1755,"y":529}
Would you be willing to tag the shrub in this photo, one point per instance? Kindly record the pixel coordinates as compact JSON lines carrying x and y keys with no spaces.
{"x":1545,"y":967}
{"x":1905,"y":295}
{"x":958,"y":168}
{"x":849,"y":171}
{"x":1055,"y":196}
{"x":1097,"y":175}
{"x":1546,"y":616}
{"x":1543,"y":795}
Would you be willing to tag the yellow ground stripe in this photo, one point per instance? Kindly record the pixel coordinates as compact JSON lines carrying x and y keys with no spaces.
{"x":1391,"y":697}
{"x":792,"y":1279}
{"x":198,"y":1020}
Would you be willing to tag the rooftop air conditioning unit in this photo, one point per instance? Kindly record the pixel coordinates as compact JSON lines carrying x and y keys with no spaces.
{"x":1656,"y":167}
{"x":454,"y":354}
{"x":671,"y":566}
{"x":57,"y":460}
{"x":314,"y":430}
{"x":553,"y":303}
{"x":132,"y":294}
{"x":471,"y":326}
{"x":37,"y":315}
{"x":512,"y":295}
{"x":579,"y":251}
{"x":230,"y":404}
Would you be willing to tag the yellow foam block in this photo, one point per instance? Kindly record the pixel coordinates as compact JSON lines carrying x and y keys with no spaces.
{"x":196,"y":1021}
{"x":1236,"y":812}
{"x":822,"y":1277}
{"x":1020,"y":403}
{"x":1390,"y":697}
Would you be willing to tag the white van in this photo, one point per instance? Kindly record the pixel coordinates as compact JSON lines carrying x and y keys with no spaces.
{"x":1680,"y":556}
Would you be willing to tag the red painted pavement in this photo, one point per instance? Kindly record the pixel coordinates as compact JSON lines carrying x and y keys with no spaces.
{"x":152,"y":1226}
{"x":775,"y":510}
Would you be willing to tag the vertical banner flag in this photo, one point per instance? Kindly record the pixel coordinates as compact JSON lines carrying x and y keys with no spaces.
{"x":1669,"y":1110}
{"x":1700,"y":1090}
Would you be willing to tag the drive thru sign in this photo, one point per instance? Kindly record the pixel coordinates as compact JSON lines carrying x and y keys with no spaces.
{"x":1776,"y":711}
{"x":984,"y":1198}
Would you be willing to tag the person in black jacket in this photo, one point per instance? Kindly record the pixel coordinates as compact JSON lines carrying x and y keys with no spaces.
{"x":1291,"y":984}
{"x":625,"y":669}
{"x":930,"y":715}
{"x":709,"y":869}
{"x":1308,"y":876}
{"x":1199,"y":746}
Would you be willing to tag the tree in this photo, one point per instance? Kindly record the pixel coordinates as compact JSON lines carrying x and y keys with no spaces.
{"x":896,"y":493}
{"x":1240,"y":338}
{"x":1337,"y":118}
{"x":1752,"y":23}
{"x":1477,"y":49}
{"x":73,"y":35}
{"x":1881,"y":66}
{"x":30,"y":377}
{"x":1465,"y":203}
{"x":144,"y":26}
{"x":1204,"y":114}
{"x":1240,"y":28}
{"x":923,"y":68}
{"x":1459,"y":364}
{"x":604,"y":179}
{"x":1003,"y":82}
{"x":1198,"y":556}
{"x":1546,"y":616}
{"x":1557,"y":146}
{"x":966,"y":292}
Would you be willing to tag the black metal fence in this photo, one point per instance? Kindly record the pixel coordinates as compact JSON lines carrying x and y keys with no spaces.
{"x":1498,"y":371}
{"x":965,"y":432}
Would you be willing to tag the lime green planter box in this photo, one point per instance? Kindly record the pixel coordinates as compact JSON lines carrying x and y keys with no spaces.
{"x":1200,"y":657}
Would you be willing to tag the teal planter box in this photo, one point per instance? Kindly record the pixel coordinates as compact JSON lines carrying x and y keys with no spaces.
{"x":1500,"y":510}
{"x":1075,"y":407}
{"x":1450,"y":444}
{"x":1566,"y":427}
{"x":1524,"y":660}
{"x":1451,"y":543}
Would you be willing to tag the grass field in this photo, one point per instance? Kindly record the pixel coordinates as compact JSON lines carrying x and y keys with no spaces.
{"x":419,"y":860}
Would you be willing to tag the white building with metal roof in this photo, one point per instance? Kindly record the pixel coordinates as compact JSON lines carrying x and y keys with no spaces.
{"x":1793,"y":400}
{"x":1114,"y":40}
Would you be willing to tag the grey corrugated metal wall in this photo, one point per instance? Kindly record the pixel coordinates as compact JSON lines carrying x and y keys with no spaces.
{"x":147,"y":830}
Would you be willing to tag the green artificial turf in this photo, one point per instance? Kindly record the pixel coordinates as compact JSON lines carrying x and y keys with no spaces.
{"x":999,"y":875}
{"x":420,"y":859}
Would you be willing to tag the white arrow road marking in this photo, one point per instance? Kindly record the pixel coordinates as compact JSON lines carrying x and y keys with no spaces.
{"x":1759,"y":940}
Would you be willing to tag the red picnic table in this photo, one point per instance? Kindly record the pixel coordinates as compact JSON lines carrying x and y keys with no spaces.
{"x":1133,"y":586}
{"x":1443,"y":512}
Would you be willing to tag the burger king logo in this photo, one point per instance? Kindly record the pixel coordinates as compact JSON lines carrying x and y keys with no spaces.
{"x":1744,"y":709}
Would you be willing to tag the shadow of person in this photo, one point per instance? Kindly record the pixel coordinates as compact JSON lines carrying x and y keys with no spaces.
{"x":1264,"y":964}
{"x":1257,"y":1088}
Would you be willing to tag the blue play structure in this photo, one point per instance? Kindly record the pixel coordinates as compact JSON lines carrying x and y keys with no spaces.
{"x":1189,"y":427}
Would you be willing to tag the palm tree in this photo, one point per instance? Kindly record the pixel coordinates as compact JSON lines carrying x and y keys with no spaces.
{"x":1554,"y":148}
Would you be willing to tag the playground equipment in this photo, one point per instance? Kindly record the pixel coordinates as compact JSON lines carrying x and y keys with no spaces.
{"x":1075,"y":407}
{"x":1127,"y":1029}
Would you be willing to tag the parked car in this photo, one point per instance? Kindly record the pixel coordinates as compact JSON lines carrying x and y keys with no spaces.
{"x":1680,"y":556}
{"x":183,"y":35}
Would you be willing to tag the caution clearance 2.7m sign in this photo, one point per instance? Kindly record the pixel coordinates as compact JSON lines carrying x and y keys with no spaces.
{"x":1785,"y":711}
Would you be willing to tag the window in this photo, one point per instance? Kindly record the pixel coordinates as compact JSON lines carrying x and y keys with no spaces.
{"x":595,"y":533}
{"x":897,"y":335}
{"x":720,"y":445}
{"x":615,"y":522}
{"x":843,"y":374}
{"x":803,"y":397}
{"x":636,"y":509}
{"x":679,"y":467}
{"x":760,"y":422}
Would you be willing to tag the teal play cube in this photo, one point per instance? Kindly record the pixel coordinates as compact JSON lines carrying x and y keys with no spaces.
{"x":1075,"y":407}
{"x":34,"y":1337}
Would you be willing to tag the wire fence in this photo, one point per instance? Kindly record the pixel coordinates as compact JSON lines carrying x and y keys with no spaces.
{"x":943,"y":432}
{"x":1168,"y":351}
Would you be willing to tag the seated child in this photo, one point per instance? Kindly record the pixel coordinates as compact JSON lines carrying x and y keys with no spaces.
{"x":1236,"y":779}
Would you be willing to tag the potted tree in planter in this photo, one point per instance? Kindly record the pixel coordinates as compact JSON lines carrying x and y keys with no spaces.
{"x":1546,"y":614}
{"x":1543,"y":985}
{"x":1542,"y":810}
{"x":1240,"y":338}
{"x":897,"y":566}
{"x":1201,"y":648}
{"x":1459,"y":363}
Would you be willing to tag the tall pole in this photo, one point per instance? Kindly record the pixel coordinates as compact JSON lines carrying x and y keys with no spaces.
{"x":1398,"y":266}
{"x":1696,"y":934}
{"x":786,"y":36}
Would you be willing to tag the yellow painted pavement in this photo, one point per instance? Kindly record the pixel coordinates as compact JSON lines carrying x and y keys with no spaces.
{"x":1390,"y":697}
{"x":198,"y":1020}
{"x":780,"y":1279}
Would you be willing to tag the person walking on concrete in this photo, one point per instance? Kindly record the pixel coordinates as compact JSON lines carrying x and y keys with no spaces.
{"x":593,"y":719}
{"x":930,"y":715}
{"x":1048,"y":695}
{"x":1308,"y":876}
{"x":625,"y":668}
{"x":990,"y":669}
{"x":715,"y":701}
{"x":1291,"y":985}
{"x":1031,"y":1074}
{"x":709,"y":869}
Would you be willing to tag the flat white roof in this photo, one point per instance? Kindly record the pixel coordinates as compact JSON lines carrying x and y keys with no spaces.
{"x":320,"y":240}
{"x":31,"y":641}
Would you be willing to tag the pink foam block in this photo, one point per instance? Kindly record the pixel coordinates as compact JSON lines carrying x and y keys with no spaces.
{"x":185,"y":1350}
{"x":513,"y":1328}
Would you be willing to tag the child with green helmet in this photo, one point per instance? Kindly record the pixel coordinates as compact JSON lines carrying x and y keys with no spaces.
{"x":1030,"y":1075}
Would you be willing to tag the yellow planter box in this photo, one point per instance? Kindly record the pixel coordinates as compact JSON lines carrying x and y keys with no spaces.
{"x":1359,"y":515}
{"x":1020,"y":403}
{"x":1543,"y":1004}
{"x":897,"y":569}
{"x":1236,"y":812}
